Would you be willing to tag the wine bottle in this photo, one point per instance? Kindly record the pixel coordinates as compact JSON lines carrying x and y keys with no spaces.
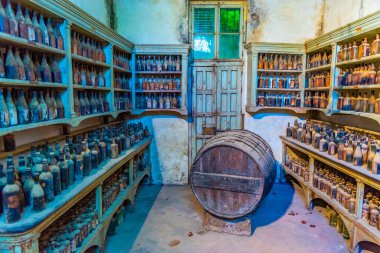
{"x":30,"y":69}
{"x":50,"y":33}
{"x":11,"y":198}
{"x":64,"y":169}
{"x":45,"y":70}
{"x":28,"y":185}
{"x":44,"y":31}
{"x":4,"y":113}
{"x":13,"y":120}
{"x":47,"y":182}
{"x":29,"y":27}
{"x":4,"y":23}
{"x":78,"y":163}
{"x":55,"y":71}
{"x":37,"y":29}
{"x":54,"y":106}
{"x":60,"y":107}
{"x":11,"y":67}
{"x":23,"y":26}
{"x":20,"y":65}
{"x":44,"y":107}
{"x":37,"y":195}
{"x":70,"y":167}
{"x":34,"y":109}
{"x":56,"y":172}
{"x":22,"y":109}
{"x":13,"y":24}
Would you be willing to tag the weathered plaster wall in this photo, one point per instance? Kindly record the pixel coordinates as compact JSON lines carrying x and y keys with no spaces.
{"x":284,"y":21}
{"x":338,"y":13}
{"x":169,"y":148}
{"x":152,"y":21}
{"x":96,"y":8}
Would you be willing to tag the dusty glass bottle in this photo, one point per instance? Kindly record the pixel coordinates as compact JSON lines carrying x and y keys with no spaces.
{"x":56,"y":172}
{"x":56,"y":75}
{"x":54,"y":107}
{"x":60,"y":107}
{"x":22,"y":109}
{"x":94,"y":156}
{"x":13,"y":24}
{"x":34,"y":109}
{"x":37,"y":28}
{"x":20,"y":65}
{"x":30,"y":69}
{"x":4,"y":113}
{"x":13,"y":120}
{"x":23,"y":27}
{"x":37,"y":195}
{"x":78,"y":163}
{"x":70,"y":167}
{"x":28,"y":185}
{"x":371,"y":156}
{"x":31,"y":36}
{"x":47,"y":181}
{"x":114,"y":150}
{"x":44,"y":31}
{"x":65,"y":174}
{"x":45,"y":70}
{"x":4,"y":23}
{"x":43,"y":106}
{"x":86,"y":162}
{"x":11,"y":67}
{"x":51,"y":35}
{"x":358,"y":155}
{"x":376,"y":162}
{"x":11,"y":198}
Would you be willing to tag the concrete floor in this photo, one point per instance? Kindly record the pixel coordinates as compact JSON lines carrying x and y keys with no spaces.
{"x":165,"y":216}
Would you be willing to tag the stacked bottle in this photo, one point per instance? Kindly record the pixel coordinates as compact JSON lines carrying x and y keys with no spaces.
{"x":318,"y":60}
{"x":299,"y":166}
{"x":123,"y":100}
{"x":121,"y":60}
{"x":371,"y":207}
{"x":158,"y":101}
{"x":352,"y":51}
{"x":360,"y":75}
{"x":278,"y":100}
{"x":87,"y":103}
{"x":279,"y":62}
{"x":87,"y":47}
{"x":359,"y":102}
{"x":52,"y":169}
{"x":86,"y":75}
{"x":158,"y":63}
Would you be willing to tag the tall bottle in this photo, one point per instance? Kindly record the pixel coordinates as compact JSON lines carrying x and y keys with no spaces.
{"x":37,"y":29}
{"x":60,"y":107}
{"x":47,"y":182}
{"x":64,"y":169}
{"x":29,"y":26}
{"x":45,"y":70}
{"x":13,"y":24}
{"x":54,"y":106}
{"x":376,"y":162}
{"x":30,"y":69}
{"x":4,"y":113}
{"x":56,"y":172}
{"x":56,"y":75}
{"x":71,"y":168}
{"x":22,"y":109}
{"x":37,"y":195}
{"x":23,"y":27}
{"x":20,"y":66}
{"x":13,"y":120}
{"x":358,"y":155}
{"x":35,"y":109}
{"x":51,"y":35}
{"x":11,"y":198}
{"x":371,"y":156}
{"x":11,"y":67}
{"x":28,"y":185}
{"x":78,"y":163}
{"x":44,"y":107}
{"x":4,"y":23}
{"x":87,"y":166}
{"x":44,"y":31}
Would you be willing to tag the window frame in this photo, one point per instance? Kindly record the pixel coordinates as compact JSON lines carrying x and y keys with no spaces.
{"x":217,"y":6}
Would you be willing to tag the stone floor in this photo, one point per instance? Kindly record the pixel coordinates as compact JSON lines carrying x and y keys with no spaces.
{"x":165,"y":217}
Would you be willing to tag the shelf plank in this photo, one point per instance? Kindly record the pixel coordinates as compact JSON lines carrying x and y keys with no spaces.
{"x":278,"y":89}
{"x":368,"y":59}
{"x":348,"y":168}
{"x":255,"y":109}
{"x":18,"y":128}
{"x":159,"y":73}
{"x":4,"y":82}
{"x":96,"y":88}
{"x":142,"y":111}
{"x":121,"y":90}
{"x":279,"y":71}
{"x":7,"y":39}
{"x":358,"y":87}
{"x":35,"y":222}
{"x":78,"y":58}
{"x":121,"y":70}
{"x":320,"y":68}
{"x":318,"y":89}
{"x":372,"y":116}
{"x":158,"y":91}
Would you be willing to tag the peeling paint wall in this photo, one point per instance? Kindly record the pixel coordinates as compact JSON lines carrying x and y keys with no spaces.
{"x":341,"y":12}
{"x":96,"y":8}
{"x":152,"y":21}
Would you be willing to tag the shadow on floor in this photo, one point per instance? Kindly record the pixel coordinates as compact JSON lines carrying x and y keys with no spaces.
{"x":272,"y":207}
{"x":128,"y":231}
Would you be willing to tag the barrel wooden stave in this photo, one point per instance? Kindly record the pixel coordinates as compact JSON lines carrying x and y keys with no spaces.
{"x":232,"y":172}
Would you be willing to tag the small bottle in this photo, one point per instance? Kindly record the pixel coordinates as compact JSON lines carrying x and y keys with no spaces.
{"x":11,"y":67}
{"x":44,"y":31}
{"x":11,"y":198}
{"x":4,"y":23}
{"x":114,"y":150}
{"x":87,"y":166}
{"x":358,"y":155}
{"x":365,"y":210}
{"x":45,"y":70}
{"x":37,"y":195}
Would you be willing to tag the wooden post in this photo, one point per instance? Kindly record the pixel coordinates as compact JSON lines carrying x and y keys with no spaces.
{"x":311,"y":171}
{"x":99,"y":201}
{"x":131,"y":172}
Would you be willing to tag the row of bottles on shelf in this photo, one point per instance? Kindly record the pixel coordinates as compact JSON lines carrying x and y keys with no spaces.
{"x":371,"y":207}
{"x":299,"y":166}
{"x":120,"y":180}
{"x":34,"y":30}
{"x":280,"y":62}
{"x":56,"y":170}
{"x":278,"y":82}
{"x":354,"y":52}
{"x":38,"y":109}
{"x":316,"y":101}
{"x":121,"y":81}
{"x":88,"y":76}
{"x":121,"y":60}
{"x":320,"y":79}
{"x":278,"y":100}
{"x":86,"y":47}
{"x":68,"y":233}
{"x":158,"y":63}
{"x":357,"y":102}
{"x":159,"y":83}
{"x":318,"y":60}
{"x":167,"y":101}
{"x":363,"y":75}
{"x":123,"y":101}
{"x":336,"y":185}
{"x":355,"y":148}
{"x":27,"y":69}
{"x":86,"y":104}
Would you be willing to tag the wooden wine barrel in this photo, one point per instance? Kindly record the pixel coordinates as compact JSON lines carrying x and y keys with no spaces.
{"x":232,"y":173}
